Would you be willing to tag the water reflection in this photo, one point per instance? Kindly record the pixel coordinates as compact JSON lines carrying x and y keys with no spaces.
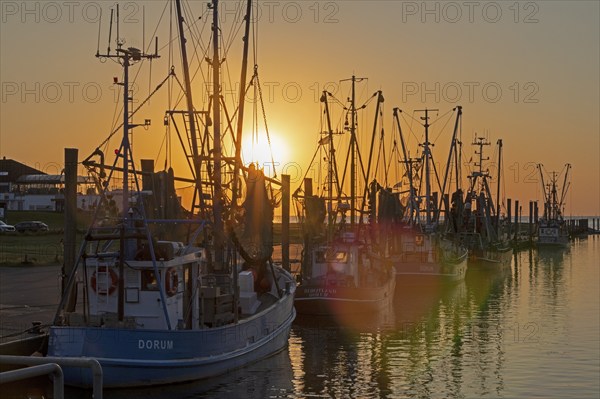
{"x":340,"y":357}
{"x":527,"y":330}
{"x":443,"y":340}
{"x":270,"y":378}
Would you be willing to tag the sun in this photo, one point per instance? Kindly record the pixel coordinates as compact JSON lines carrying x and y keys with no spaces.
{"x":257,"y":150}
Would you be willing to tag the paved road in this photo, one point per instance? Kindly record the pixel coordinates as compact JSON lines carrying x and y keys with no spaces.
{"x":27,"y":294}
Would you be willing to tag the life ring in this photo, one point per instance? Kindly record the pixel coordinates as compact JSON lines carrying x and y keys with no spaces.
{"x":114,"y":281}
{"x":171,"y":281}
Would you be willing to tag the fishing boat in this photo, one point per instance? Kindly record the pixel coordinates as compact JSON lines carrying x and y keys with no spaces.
{"x":163,"y":299}
{"x":483,"y":230}
{"x":424,"y":246}
{"x":552,"y":228}
{"x":343,"y":270}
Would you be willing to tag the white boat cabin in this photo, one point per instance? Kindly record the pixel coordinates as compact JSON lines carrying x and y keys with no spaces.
{"x":211,"y":303}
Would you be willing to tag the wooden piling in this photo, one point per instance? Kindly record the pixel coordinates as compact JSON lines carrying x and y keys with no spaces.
{"x":308,"y":189}
{"x":516,"y":219}
{"x":509,"y":214}
{"x":70,"y":229}
{"x":147,"y":170}
{"x":530,"y":230}
{"x":285,"y":222}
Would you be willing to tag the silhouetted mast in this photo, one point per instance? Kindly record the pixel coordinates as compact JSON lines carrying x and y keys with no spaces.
{"x":427,"y":155}
{"x":353,"y":110}
{"x":190,"y":102}
{"x":217,"y":179}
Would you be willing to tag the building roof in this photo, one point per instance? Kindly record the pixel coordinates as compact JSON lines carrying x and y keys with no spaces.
{"x":11,"y":170}
{"x":49,"y":179}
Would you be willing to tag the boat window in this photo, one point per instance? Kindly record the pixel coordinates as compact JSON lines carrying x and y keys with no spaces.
{"x":337,"y":257}
{"x":149,"y":281}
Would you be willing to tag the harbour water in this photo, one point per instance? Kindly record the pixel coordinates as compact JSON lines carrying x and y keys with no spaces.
{"x":531,"y":330}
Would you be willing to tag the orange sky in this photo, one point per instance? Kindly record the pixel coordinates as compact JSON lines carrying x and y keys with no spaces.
{"x":526,"y":72}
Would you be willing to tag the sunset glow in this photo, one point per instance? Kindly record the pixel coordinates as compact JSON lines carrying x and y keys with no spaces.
{"x":258,"y":150}
{"x":509,"y":77}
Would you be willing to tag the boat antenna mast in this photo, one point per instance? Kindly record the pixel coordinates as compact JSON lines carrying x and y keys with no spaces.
{"x":427,"y":156}
{"x":126,"y":57}
{"x":353,"y":147}
{"x":479,"y":142}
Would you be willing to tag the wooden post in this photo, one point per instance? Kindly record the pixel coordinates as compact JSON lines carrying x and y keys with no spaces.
{"x":509,"y":214}
{"x":147,"y":170}
{"x":285,"y":222}
{"x":530,"y":221}
{"x":308,"y":189}
{"x":516,"y":219}
{"x":70,"y":229}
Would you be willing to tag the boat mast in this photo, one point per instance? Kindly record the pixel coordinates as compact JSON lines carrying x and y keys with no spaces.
{"x":218,"y":188}
{"x":544,"y":191}
{"x":240,"y":121}
{"x":448,"y":166}
{"x":480,"y":142}
{"x":565,"y":186}
{"x":353,"y":153}
{"x":190,"y":103}
{"x":353,"y":148}
{"x":427,"y":155}
{"x":408,"y":167}
{"x":554,"y":197}
{"x":499,"y":177}
{"x":330,"y":172}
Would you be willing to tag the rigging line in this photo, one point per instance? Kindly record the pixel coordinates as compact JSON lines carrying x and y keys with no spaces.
{"x":438,"y":118}
{"x":443,"y":127}
{"x":156,"y":30}
{"x":136,"y":110}
{"x":168,"y":152}
{"x":468,"y":164}
{"x":340,"y":103}
{"x":173,"y":39}
{"x":227,"y":71}
{"x":194,"y":26}
{"x":393,"y":156}
{"x":413,"y":118}
{"x":139,"y":70}
{"x":99,"y":30}
{"x":366,"y":103}
{"x":162,"y":144}
{"x":255,"y":34}
{"x":232,"y":35}
{"x":196,"y":35}
{"x":309,"y":165}
{"x":410,"y":128}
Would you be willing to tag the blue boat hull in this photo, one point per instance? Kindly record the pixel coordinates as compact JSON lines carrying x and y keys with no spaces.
{"x":132,"y":358}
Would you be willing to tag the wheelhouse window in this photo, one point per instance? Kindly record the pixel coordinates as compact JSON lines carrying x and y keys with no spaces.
{"x":334,"y":256}
{"x":149,"y":281}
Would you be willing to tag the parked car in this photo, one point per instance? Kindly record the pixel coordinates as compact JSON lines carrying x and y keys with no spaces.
{"x":34,"y":226}
{"x":6,"y":227}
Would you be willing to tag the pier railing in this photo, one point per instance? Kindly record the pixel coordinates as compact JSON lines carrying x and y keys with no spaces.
{"x":93,"y":364}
